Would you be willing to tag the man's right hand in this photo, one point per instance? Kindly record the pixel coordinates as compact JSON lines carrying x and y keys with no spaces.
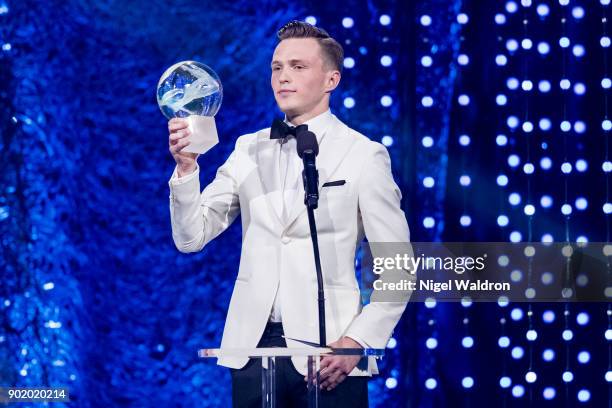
{"x":186,"y":162}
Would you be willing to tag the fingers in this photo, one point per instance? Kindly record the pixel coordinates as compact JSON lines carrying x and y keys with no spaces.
{"x":179,"y":145}
{"x":333,"y":380}
{"x":177,"y":124}
{"x":177,"y":135}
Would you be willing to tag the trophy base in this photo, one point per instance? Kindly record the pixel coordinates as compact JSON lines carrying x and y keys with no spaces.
{"x":203,"y":135}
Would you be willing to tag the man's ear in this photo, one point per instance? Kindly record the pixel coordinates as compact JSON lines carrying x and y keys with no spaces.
{"x":333,"y":80}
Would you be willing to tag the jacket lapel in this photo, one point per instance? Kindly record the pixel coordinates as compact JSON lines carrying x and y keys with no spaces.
{"x":333,"y":148}
{"x":268,"y":168}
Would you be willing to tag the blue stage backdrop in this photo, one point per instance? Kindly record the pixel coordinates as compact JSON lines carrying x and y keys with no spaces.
{"x":495,"y":115}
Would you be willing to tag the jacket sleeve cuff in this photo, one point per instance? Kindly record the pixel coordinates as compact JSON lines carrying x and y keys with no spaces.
{"x":358,"y":339}
{"x":175,"y":180}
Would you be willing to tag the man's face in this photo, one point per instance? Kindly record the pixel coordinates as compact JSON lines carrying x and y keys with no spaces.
{"x":300,"y":79}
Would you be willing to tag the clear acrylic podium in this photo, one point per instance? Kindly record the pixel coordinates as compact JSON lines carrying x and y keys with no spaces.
{"x":268,"y":357}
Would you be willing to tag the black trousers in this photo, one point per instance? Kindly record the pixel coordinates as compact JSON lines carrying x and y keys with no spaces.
{"x":290,"y":384}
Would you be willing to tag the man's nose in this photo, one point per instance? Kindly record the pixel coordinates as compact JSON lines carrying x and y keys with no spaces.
{"x":284,"y":76}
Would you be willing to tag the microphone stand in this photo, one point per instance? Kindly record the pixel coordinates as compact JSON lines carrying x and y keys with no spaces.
{"x":310,"y":176}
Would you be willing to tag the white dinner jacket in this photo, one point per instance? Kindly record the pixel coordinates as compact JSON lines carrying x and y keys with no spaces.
{"x":274,"y":252}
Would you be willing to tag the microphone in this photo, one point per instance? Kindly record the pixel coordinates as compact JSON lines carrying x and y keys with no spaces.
{"x":308,"y":149}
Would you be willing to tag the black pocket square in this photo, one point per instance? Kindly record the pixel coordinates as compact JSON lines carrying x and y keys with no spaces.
{"x":334,"y":183}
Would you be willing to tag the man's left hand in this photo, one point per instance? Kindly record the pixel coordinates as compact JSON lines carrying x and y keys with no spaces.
{"x":334,"y":369}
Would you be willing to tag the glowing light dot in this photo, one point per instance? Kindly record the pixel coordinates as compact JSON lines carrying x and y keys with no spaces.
{"x":463,"y":100}
{"x":428,"y":182}
{"x":431,"y":343}
{"x":531,"y":335}
{"x":391,"y":383}
{"x":386,"y":101}
{"x":584,"y":357}
{"x":465,"y":180}
{"x":566,"y":209}
{"x":565,"y":126}
{"x":526,"y":44}
{"x":584,"y":395}
{"x":512,"y":45}
{"x":518,"y":391}
{"x":502,"y":220}
{"x":501,"y":140}
{"x":531,"y":377}
{"x":544,"y":86}
{"x":566,"y":168}
{"x":565,"y":84}
{"x":427,"y":101}
{"x":513,"y":160}
{"x":387,"y":140}
{"x":581,"y":203}
{"x":349,"y":62}
{"x":467,"y":382}
{"x":511,"y":7}
{"x":564,"y":42}
{"x":578,"y":51}
{"x":542,"y":10}
{"x":312,"y":20}
{"x":514,"y":198}
{"x":578,"y":12}
{"x":548,"y":355}
{"x":467,"y":342}
{"x":465,"y":220}
{"x":512,"y":83}
{"x":429,"y":222}
{"x":347,"y":22}
{"x":425,"y":20}
{"x":549,"y":393}
{"x":543,"y":48}
{"x":579,"y":126}
{"x":516,"y":314}
{"x":384,"y":20}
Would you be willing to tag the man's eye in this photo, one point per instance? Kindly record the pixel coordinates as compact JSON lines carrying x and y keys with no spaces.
{"x":298,"y":67}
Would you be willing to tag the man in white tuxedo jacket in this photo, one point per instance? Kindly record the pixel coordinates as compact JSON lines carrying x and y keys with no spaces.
{"x":275,"y":291}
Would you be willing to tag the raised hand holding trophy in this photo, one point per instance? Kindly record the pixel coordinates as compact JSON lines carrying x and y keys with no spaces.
{"x":192,"y":90}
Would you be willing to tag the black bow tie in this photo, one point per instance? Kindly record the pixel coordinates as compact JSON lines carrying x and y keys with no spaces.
{"x":281,"y":130}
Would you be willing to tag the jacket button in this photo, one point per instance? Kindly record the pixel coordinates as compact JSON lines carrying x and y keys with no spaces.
{"x":285,"y":240}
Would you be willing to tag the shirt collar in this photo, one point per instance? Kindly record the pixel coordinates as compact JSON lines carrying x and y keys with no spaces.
{"x":318,"y":125}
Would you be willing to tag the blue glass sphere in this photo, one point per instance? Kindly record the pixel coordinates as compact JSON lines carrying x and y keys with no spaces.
{"x":189,"y":88}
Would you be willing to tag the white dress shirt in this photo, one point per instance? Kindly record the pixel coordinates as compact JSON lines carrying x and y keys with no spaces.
{"x":290,"y":173}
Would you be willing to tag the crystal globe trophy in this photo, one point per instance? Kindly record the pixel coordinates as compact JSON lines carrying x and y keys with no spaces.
{"x":192,"y":90}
